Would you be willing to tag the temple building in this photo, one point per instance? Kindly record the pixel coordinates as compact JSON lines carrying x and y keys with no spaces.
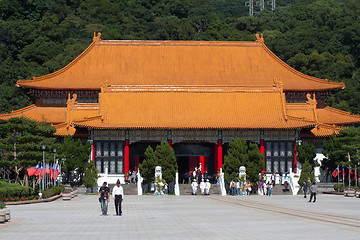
{"x":196,"y":95}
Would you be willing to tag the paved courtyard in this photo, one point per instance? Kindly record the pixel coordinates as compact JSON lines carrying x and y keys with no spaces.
{"x":188,"y":217}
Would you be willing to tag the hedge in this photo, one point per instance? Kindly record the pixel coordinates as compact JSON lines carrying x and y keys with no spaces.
{"x":14,"y":191}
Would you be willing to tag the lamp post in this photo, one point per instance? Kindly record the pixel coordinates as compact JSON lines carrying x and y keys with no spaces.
{"x":54,"y":166}
{"x":43,"y":170}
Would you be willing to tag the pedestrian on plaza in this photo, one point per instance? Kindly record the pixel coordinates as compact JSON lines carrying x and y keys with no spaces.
{"x":273,"y":179}
{"x":207,"y":187}
{"x":202,"y":187}
{"x":260,"y":188}
{"x":238,"y":187}
{"x":233,"y":188}
{"x":118,"y":196}
{"x":194,"y":186}
{"x":264,"y":188}
{"x":249,"y":189}
{"x":186,"y":177}
{"x":270,"y":188}
{"x":104,"y":198}
{"x":313,"y":192}
{"x":286,"y":186}
{"x":305,"y":188}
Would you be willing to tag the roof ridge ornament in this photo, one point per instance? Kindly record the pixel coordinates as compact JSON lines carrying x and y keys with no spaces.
{"x":278,"y":84}
{"x":71,"y":101}
{"x":97,"y":38}
{"x":105,"y":85}
{"x":311,"y":101}
{"x":260,"y":39}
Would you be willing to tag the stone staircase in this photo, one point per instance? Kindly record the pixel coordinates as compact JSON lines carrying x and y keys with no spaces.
{"x":185,"y":189}
{"x":129,"y":189}
{"x":278,"y":190}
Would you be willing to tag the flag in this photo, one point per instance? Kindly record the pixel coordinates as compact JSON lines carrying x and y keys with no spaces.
{"x":31,"y":171}
{"x":349,"y":172}
{"x":343,"y":172}
{"x":37,"y":169}
{"x":335,"y":172}
{"x":57,"y":170}
{"x":47,"y":169}
{"x":52,"y":172}
{"x":355,"y":174}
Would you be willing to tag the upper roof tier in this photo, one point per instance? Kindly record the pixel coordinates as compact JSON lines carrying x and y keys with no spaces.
{"x":178,"y":63}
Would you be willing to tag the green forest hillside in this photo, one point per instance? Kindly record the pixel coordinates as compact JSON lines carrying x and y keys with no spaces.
{"x":317,"y":37}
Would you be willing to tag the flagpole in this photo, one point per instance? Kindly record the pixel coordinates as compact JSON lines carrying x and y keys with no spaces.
{"x":338,"y":174}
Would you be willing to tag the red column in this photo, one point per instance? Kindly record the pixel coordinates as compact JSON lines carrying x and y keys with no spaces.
{"x":262,"y":150}
{"x":126,"y":157}
{"x":202,"y":161}
{"x":295,"y":161}
{"x":170,"y":143}
{"x":216,"y":159}
{"x":93,"y":151}
{"x":219,"y":158}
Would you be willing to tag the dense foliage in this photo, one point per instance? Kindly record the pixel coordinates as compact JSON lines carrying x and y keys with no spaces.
{"x":74,"y":157}
{"x":242,"y":153}
{"x":20,"y":146}
{"x":163,"y":156}
{"x":14,"y":191}
{"x":317,"y":37}
{"x":306,"y":152}
{"x":307,"y":174}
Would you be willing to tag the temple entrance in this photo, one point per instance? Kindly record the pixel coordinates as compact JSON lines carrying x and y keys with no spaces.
{"x":187,"y":164}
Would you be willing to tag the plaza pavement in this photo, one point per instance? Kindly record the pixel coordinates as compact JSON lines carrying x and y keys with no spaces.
{"x":188,"y":217}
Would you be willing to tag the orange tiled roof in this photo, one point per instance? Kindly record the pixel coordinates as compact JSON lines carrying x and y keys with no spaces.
{"x":62,"y":130}
{"x":192,"y":109}
{"x":41,"y":114}
{"x":178,"y":63}
{"x":331,"y":115}
{"x":325,"y":130}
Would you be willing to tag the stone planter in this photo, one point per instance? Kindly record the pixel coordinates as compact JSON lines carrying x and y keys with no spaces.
{"x":7,"y":216}
{"x":2,"y":215}
{"x":66,"y":196}
{"x":357,"y":194}
{"x":72,"y":194}
{"x":349,"y":193}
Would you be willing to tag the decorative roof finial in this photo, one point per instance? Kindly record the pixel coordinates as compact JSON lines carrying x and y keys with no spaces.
{"x":97,"y":38}
{"x":311,"y":101}
{"x":71,"y":101}
{"x":259,"y":39}
{"x":278,"y":84}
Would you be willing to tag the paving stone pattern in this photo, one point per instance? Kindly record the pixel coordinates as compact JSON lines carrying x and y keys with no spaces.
{"x":186,"y":217}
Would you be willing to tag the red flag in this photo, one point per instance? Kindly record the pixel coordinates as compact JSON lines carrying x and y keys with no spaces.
{"x":349,"y":172}
{"x":52,"y":173}
{"x":31,"y":171}
{"x":355,"y":175}
{"x":343,"y":172}
{"x":335,"y":172}
{"x":37,"y":169}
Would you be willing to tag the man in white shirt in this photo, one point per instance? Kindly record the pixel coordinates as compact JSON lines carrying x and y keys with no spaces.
{"x":194,"y":186}
{"x":207,"y":187}
{"x":202,"y":187}
{"x":118,"y":195}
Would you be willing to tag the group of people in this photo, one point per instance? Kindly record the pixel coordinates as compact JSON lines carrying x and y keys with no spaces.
{"x":313,"y":191}
{"x":132,"y":177}
{"x":204,"y":187}
{"x":104,"y":198}
{"x":238,"y":187}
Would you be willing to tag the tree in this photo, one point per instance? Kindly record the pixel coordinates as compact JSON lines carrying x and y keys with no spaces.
{"x":163,"y":156}
{"x":333,"y":154}
{"x":241,"y":153}
{"x":147,"y":167}
{"x":21,"y":142}
{"x":307,"y":174}
{"x":74,"y":158}
{"x":306,"y":151}
{"x":90,"y":175}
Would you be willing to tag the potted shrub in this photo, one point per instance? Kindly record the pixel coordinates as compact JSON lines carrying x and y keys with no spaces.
{"x":2,"y":212}
{"x":66,"y":195}
{"x":349,"y":192}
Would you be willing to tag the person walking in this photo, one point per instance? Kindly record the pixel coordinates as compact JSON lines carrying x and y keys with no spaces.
{"x":270,"y":189}
{"x":104,"y":198}
{"x":313,"y":192}
{"x":207,"y":186}
{"x":238,"y":188}
{"x":233,"y":188}
{"x":249,"y":189}
{"x":194,"y":186}
{"x":264,"y":186}
{"x":202,"y":187}
{"x":305,"y":188}
{"x":118,"y":196}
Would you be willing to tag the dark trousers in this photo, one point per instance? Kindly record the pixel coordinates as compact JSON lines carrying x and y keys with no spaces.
{"x":311,"y":196}
{"x":118,"y":200}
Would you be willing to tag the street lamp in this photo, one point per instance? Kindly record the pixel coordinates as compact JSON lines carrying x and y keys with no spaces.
{"x":43,"y":147}
{"x":54,"y":166}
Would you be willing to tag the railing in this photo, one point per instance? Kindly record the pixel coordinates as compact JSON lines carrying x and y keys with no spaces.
{"x":140,"y":180}
{"x":222,"y":183}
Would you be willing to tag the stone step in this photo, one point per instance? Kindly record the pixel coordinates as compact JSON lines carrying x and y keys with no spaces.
{"x":129,"y":189}
{"x":279,"y":190}
{"x":185,"y":189}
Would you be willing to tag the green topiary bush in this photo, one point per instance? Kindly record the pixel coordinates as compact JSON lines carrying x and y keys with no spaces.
{"x":14,"y":191}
